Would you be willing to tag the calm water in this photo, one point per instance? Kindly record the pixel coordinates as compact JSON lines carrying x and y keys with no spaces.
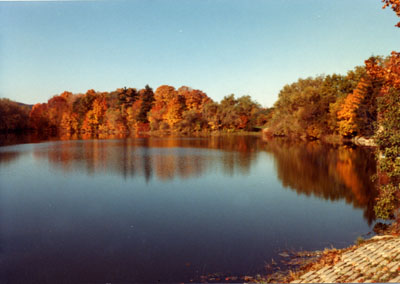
{"x":174,"y":209}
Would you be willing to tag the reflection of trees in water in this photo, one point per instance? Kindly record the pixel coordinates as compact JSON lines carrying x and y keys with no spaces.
{"x":8,"y":157}
{"x":8,"y":139}
{"x":308,"y":168}
{"x":165,"y":157}
{"x":327,"y":172}
{"x":20,"y":138}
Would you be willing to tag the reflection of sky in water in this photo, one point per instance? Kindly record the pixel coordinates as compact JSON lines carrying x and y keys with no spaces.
{"x":172,"y":209}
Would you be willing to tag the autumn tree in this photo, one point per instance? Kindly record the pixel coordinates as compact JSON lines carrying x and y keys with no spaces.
{"x":358,"y":111}
{"x":246,"y":110}
{"x":301,"y":107}
{"x":114,"y":121}
{"x":69,"y":122}
{"x":175,"y":108}
{"x":211,"y":114}
{"x":127,"y":96}
{"x":227,"y":112}
{"x":82,"y":104}
{"x":167,"y":108}
{"x":159,"y":110}
{"x":262,"y":116}
{"x":326,"y":105}
{"x":94,"y":117}
{"x":192,"y":115}
{"x":232,"y":113}
{"x":38,"y":117}
{"x":147,"y":99}
{"x":194,"y":99}
{"x":13,"y":116}
{"x":388,"y":135}
{"x":56,"y":106}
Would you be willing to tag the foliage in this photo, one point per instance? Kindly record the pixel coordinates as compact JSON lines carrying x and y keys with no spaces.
{"x":386,"y":202}
{"x":147,"y":99}
{"x":388,"y":135}
{"x":128,"y":110}
{"x":357,"y":114}
{"x":298,"y":108}
{"x":388,"y":140}
{"x":234,"y":114}
{"x":38,"y":117}
{"x":310,"y":107}
{"x":13,"y":116}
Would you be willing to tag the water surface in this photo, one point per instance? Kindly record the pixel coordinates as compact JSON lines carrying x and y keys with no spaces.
{"x":174,"y":209}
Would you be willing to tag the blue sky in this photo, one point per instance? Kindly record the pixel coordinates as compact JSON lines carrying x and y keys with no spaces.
{"x":244,"y":47}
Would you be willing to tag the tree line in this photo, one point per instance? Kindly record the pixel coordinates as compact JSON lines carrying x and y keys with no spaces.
{"x":183,"y":110}
{"x":341,"y":106}
{"x":314,"y":108}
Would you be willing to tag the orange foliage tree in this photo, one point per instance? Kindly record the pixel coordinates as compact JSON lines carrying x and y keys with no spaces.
{"x":347,"y":115}
{"x":167,"y":109}
{"x":159,"y":109}
{"x":56,"y":106}
{"x":94,"y":117}
{"x":38,"y":117}
{"x":194,"y":99}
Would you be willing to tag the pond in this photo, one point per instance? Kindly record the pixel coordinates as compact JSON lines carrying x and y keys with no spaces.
{"x":173,"y":209}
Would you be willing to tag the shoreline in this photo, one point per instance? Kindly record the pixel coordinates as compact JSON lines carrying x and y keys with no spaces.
{"x":264,"y":134}
{"x":332,"y":139}
{"x":376,"y":259}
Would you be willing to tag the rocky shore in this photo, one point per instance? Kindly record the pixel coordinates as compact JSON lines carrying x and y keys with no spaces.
{"x":375,"y":260}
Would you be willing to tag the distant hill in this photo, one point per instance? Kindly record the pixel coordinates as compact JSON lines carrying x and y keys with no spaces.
{"x":25,"y":105}
{"x":18,"y":103}
{"x":14,"y":116}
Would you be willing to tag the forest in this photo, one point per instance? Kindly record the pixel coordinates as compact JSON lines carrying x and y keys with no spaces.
{"x":13,"y":116}
{"x":324,"y":107}
{"x":128,"y":110}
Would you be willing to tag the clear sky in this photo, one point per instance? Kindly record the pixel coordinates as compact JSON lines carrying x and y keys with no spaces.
{"x":245,"y":47}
